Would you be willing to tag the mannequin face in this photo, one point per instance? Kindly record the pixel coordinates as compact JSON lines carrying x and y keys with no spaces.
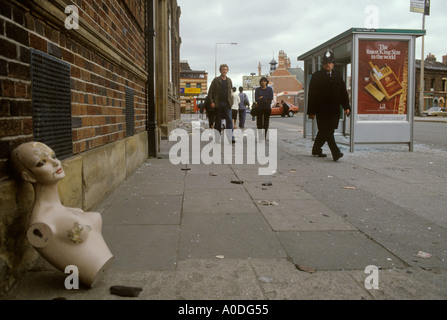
{"x":41,"y":162}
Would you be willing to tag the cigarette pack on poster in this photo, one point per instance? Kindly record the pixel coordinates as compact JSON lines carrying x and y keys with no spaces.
{"x":386,"y":81}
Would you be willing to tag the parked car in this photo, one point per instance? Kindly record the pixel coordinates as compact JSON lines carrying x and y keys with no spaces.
{"x":278,"y":110}
{"x":433,"y":111}
{"x":441,"y":113}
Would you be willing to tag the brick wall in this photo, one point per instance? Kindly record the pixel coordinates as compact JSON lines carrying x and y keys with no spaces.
{"x":106,"y":56}
{"x":98,"y":78}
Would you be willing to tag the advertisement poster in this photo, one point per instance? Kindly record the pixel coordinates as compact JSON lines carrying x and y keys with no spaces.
{"x":383,"y":80}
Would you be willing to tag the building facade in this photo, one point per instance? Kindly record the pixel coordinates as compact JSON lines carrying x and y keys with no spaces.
{"x":287,"y":81}
{"x":193,"y":86}
{"x":435,"y":82}
{"x":98,"y":82}
{"x":284,"y":77}
{"x":167,"y":68}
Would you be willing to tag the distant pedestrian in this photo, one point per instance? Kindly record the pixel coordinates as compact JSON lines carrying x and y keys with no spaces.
{"x":201,"y":109}
{"x":210,"y":112}
{"x":222,"y":99}
{"x":235,"y":107}
{"x":327,"y":91}
{"x":264,"y":98}
{"x":243,"y":104}
{"x":285,"y":108}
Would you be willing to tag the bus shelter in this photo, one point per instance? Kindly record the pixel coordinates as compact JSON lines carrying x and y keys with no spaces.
{"x":378,"y":67}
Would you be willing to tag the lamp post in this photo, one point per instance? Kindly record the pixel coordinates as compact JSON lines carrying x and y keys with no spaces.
{"x":215,"y":54}
{"x":422,"y":80}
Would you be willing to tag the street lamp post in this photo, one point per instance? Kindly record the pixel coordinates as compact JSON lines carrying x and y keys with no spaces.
{"x":215,"y":54}
{"x":422,"y":80}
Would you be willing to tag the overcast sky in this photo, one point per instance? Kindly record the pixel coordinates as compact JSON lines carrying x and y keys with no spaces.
{"x":263,"y":27}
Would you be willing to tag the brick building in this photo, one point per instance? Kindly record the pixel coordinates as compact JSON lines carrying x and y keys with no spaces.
{"x":286,"y":79}
{"x":96,"y":80}
{"x":193,"y":84}
{"x":435,"y":82}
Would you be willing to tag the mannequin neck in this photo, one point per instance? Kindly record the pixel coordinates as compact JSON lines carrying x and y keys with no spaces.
{"x":46,"y":194}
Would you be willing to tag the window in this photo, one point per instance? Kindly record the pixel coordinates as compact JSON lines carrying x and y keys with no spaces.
{"x":188,"y":85}
{"x":51,"y":101}
{"x":199,"y":85}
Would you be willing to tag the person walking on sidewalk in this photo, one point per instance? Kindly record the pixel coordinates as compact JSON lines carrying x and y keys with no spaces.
{"x":201,"y":109}
{"x":327,"y":91}
{"x":263,"y":97}
{"x":235,"y":107}
{"x":243,"y":98}
{"x":221,"y":99}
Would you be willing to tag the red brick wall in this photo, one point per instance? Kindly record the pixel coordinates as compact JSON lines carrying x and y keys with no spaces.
{"x":97,"y":84}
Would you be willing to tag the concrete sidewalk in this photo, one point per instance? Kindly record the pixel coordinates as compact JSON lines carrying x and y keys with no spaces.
{"x":306,"y":232}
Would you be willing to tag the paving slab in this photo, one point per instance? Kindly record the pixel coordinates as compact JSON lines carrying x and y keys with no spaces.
{"x":275,"y":190}
{"x":249,"y":173}
{"x":401,"y":192}
{"x":161,"y":187}
{"x":395,"y":228}
{"x":217,"y":279}
{"x":143,"y":209}
{"x":207,"y":169}
{"x":212,"y":181}
{"x":142,"y":247}
{"x":302,"y":215}
{"x":281,"y":280}
{"x":336,"y":250}
{"x":235,"y":201}
{"x":232,"y":235}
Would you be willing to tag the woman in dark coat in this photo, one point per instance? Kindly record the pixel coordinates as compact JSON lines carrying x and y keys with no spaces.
{"x":263,"y":98}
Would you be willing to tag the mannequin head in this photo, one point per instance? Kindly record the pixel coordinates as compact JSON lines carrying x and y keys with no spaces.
{"x":35,"y":162}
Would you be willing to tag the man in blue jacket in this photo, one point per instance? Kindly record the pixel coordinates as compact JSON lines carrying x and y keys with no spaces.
{"x":242,"y":107}
{"x":327,"y":92}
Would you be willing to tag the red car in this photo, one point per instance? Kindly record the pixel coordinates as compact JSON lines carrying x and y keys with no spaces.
{"x":277,"y":110}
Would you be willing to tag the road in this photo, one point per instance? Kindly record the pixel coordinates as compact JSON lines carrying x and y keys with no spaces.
{"x":432,"y":134}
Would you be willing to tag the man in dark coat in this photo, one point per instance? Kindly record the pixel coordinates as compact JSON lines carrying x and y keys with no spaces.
{"x":327,"y":91}
{"x":221,"y":98}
